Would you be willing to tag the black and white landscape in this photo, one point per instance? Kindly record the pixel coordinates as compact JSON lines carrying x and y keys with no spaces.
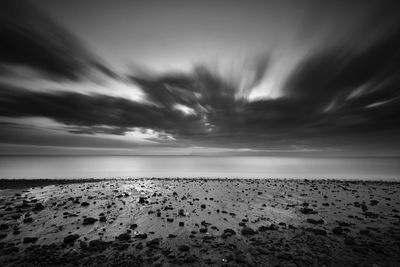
{"x":166,"y":133}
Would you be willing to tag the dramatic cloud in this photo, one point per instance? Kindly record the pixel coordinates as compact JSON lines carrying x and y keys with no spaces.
{"x":331,"y":94}
{"x":33,"y":40}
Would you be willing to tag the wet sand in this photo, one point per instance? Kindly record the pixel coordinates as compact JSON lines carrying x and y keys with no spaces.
{"x":200,"y":222}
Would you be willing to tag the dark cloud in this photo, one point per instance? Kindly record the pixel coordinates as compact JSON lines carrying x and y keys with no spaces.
{"x":339,"y":95}
{"x":31,"y":39}
{"x":319,"y":104}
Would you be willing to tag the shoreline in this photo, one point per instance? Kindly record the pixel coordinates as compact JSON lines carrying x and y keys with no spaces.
{"x":199,"y":222}
{"x":26,"y":183}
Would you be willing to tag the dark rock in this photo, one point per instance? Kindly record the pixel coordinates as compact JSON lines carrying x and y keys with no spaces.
{"x":124,"y":237}
{"x":85,"y":204}
{"x":374,"y":202}
{"x":190,"y":259}
{"x":155,"y":243}
{"x":317,"y":231}
{"x":184,"y":248}
{"x":337,"y":230}
{"x":308,"y":211}
{"x":371,"y":215}
{"x":89,"y":220}
{"x":364,"y":232}
{"x":264,"y":228}
{"x":227,"y":233}
{"x":70,"y":239}
{"x":141,"y":236}
{"x":248,"y":231}
{"x":143,"y":200}
{"x":312,"y":221}
{"x":285,"y":256}
{"x":38,"y":206}
{"x":29,"y":240}
{"x":98,"y":245}
{"x":28,"y":220}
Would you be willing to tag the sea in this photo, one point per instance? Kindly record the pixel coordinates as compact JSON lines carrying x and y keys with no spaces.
{"x":78,"y":167}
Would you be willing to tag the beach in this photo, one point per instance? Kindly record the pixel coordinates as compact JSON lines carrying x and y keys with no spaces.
{"x":199,"y":222}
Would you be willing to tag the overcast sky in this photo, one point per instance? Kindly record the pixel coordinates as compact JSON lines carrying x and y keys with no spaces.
{"x":200,"y":77}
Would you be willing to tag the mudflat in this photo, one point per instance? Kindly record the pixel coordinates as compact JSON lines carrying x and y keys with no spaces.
{"x":200,"y":222}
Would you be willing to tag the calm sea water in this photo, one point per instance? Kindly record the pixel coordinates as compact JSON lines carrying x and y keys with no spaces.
{"x":192,"y":166}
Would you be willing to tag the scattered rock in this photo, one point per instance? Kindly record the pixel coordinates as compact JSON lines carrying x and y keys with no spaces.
{"x":29,"y":240}
{"x":89,"y":220}
{"x":70,"y":239}
{"x":248,"y":231}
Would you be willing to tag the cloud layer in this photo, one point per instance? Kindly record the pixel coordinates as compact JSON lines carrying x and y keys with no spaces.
{"x":342,"y":96}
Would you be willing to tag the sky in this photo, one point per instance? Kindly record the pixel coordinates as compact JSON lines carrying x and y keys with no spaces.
{"x":304,"y":77}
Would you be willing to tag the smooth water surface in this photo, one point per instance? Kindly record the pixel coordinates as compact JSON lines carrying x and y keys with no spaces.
{"x":193,"y":166}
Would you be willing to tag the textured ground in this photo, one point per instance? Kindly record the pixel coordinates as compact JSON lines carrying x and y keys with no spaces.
{"x":202,"y":222}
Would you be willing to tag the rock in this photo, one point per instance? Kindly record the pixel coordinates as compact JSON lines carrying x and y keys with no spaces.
{"x":248,"y":231}
{"x":38,"y":206}
{"x":143,"y":200}
{"x":98,"y":245}
{"x":184,"y":248}
{"x":28,"y":220}
{"x":190,"y":259}
{"x":270,"y":227}
{"x":85,"y":204}
{"x":285,"y":256}
{"x":337,"y":230}
{"x":373,"y":202}
{"x":228,"y":232}
{"x":155,"y":243}
{"x":364,"y":232}
{"x":89,"y":220}
{"x":121,"y":246}
{"x":70,"y":239}
{"x":350,"y":241}
{"x":344,"y":224}
{"x":29,"y":240}
{"x":308,"y":211}
{"x":141,"y":236}
{"x":371,"y":215}
{"x":312,"y":221}
{"x":133,"y":226}
{"x":317,"y":231}
{"x":124,"y":237}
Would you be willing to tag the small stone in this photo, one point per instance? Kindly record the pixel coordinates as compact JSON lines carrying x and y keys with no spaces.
{"x":89,"y":220}
{"x":70,"y":239}
{"x":141,"y":236}
{"x":184,"y":248}
{"x":124,"y":237}
{"x":248,"y":231}
{"x":29,"y":240}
